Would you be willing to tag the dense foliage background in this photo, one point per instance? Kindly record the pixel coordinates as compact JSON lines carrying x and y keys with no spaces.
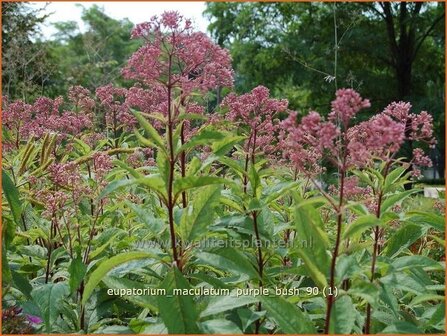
{"x":152,"y":157}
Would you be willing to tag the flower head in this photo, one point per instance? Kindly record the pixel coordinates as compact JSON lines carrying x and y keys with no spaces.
{"x":256,"y":112}
{"x":174,"y":55}
{"x":346,"y":105}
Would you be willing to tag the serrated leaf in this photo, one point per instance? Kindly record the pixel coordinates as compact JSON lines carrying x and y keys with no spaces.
{"x":49,"y":298}
{"x":190,"y":182}
{"x":220,"y":304}
{"x":178,"y":312}
{"x":12,"y":196}
{"x":145,"y":301}
{"x":220,"y":326}
{"x":106,"y":266}
{"x":343,"y":316}
{"x":150,"y":130}
{"x":229,"y":260}
{"x":396,"y":198}
{"x":205,"y":136}
{"x":77,"y":270}
{"x":289,"y":317}
{"x":199,"y":214}
{"x":359,"y":225}
{"x":309,"y":229}
{"x":403,"y":238}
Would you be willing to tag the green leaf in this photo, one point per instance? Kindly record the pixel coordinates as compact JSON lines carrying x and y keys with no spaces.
{"x":358,"y":226}
{"x":396,"y":198}
{"x":220,"y":326}
{"x":12,"y":196}
{"x":153,"y":182}
{"x":289,"y":317}
{"x":143,"y":141}
{"x":365,"y":290}
{"x":49,"y":298}
{"x":403,"y":238}
{"x":178,"y":312}
{"x":115,"y":185}
{"x":401,"y":327}
{"x":426,"y":297}
{"x":343,"y":316}
{"x":192,"y":116}
{"x":229,"y":260}
{"x":190,"y":182}
{"x":220,"y":304}
{"x":150,"y":130}
{"x":22,"y":284}
{"x":255,"y":181}
{"x":106,"y":266}
{"x":392,"y":178}
{"x":413,"y":261}
{"x":205,"y":136}
{"x":277,"y":191}
{"x":232,"y":164}
{"x":426,"y":218}
{"x":145,"y":301}
{"x":163,"y":167}
{"x":309,"y":229}
{"x":6,"y":270}
{"x":223,"y":146}
{"x":199,"y":214}
{"x":129,"y":169}
{"x":77,"y":270}
{"x":388,"y":297}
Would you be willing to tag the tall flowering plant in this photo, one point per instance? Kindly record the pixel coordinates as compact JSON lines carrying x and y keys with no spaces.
{"x":256,"y":116}
{"x":351,"y":147}
{"x":177,"y":63}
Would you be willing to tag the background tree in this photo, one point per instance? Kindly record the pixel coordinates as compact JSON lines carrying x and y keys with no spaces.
{"x":25,"y":66}
{"x":303,"y":52}
{"x":94,"y":57}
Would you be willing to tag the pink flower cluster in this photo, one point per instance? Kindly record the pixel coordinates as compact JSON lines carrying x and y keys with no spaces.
{"x":379,"y":137}
{"x":81,"y":99}
{"x":418,"y":127}
{"x":47,"y":118}
{"x":352,"y":189}
{"x":47,"y":115}
{"x":176,"y":56}
{"x":140,"y":158}
{"x":102,"y":164}
{"x":346,"y":105}
{"x":67,"y":175}
{"x":117,"y":113}
{"x":15,"y":115}
{"x":53,"y":201}
{"x":306,"y":143}
{"x":258,"y":114}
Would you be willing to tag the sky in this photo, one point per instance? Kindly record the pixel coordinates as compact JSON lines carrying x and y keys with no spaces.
{"x":136,"y":12}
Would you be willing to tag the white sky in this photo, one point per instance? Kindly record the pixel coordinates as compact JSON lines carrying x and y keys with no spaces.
{"x":136,"y":12}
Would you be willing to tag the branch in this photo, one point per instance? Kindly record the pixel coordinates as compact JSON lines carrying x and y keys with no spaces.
{"x":426,"y":34}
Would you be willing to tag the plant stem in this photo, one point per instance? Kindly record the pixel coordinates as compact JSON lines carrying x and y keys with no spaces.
{"x":376,"y":247}
{"x":49,"y":247}
{"x":183,"y":164}
{"x":330,"y":297}
{"x":245,"y":182}
{"x":171,"y":201}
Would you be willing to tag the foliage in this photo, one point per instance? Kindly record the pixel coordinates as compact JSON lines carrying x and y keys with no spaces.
{"x":25,"y":64}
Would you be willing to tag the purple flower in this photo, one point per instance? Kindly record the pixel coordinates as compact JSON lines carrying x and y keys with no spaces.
{"x":34,"y":319}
